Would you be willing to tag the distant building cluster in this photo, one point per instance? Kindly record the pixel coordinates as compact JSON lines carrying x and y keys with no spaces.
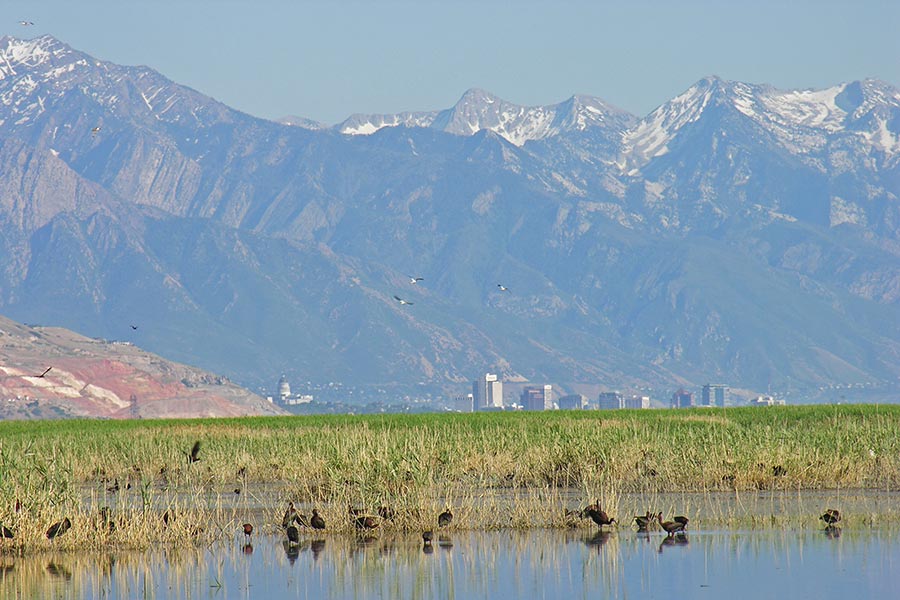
{"x":286,"y":398}
{"x":487,"y":395}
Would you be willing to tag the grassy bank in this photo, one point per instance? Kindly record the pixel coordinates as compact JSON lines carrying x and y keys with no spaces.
{"x":417,"y":464}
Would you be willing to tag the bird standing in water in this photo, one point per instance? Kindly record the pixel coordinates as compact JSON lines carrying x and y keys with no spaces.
{"x":445,"y":518}
{"x":671,"y":527}
{"x":248,"y":531}
{"x":598,"y":515}
{"x":831,"y":517}
{"x":59,"y":528}
{"x":316,"y":521}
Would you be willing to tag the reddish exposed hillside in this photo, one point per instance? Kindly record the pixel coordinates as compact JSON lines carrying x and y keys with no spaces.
{"x":98,"y":378}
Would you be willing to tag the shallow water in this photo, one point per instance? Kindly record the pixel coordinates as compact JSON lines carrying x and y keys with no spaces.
{"x":784,"y":563}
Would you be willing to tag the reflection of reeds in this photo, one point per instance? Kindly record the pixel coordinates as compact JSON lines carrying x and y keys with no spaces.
{"x":495,"y":470}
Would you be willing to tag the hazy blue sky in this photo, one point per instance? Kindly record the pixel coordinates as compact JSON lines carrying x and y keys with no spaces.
{"x":327,"y":60}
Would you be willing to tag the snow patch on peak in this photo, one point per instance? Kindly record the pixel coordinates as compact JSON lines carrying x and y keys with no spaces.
{"x":16,"y":53}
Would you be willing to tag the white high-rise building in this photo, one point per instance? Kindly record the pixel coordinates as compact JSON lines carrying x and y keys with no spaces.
{"x":487,"y":392}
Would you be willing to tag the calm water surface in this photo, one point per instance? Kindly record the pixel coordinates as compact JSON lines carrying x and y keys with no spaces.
{"x":858,"y":562}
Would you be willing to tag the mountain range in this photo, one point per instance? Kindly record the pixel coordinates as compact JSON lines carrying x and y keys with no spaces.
{"x":738,"y":233}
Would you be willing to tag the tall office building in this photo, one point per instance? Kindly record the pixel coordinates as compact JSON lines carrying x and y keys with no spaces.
{"x":682,"y":399}
{"x":611,"y":400}
{"x":537,"y":397}
{"x":715,"y":394}
{"x":487,"y":392}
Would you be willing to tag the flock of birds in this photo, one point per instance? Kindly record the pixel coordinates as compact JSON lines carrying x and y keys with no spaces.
{"x":364,"y":521}
{"x":414,"y":280}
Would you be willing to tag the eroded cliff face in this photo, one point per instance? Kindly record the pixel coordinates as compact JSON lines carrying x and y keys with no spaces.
{"x":52,"y":372}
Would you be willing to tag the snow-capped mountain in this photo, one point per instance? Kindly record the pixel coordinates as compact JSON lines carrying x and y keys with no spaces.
{"x":737,"y":233}
{"x":478,"y":110}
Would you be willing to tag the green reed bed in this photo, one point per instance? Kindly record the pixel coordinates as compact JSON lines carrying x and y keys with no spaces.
{"x":495,"y":470}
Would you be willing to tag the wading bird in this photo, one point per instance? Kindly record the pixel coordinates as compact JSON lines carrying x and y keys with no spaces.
{"x":59,"y":528}
{"x":289,"y":515}
{"x":365,"y":522}
{"x":194,"y":455}
{"x":445,"y":518}
{"x":6,"y":532}
{"x":427,"y":536}
{"x":643,"y":521}
{"x":248,"y":531}
{"x":831,"y":516}
{"x":316,"y":521}
{"x":598,"y":515}
{"x":670,"y":527}
{"x":293,"y":535}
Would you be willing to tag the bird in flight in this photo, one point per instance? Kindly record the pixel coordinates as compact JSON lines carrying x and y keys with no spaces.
{"x":134,"y":327}
{"x":402,"y":301}
{"x":502,"y":287}
{"x":26,"y":23}
{"x":96,"y":130}
{"x":415,"y":280}
{"x":47,"y":370}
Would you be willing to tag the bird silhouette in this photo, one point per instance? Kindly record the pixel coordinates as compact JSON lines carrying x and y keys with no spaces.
{"x":445,"y":518}
{"x":598,"y":515}
{"x":670,"y":527}
{"x":59,"y":528}
{"x":643,"y":521}
{"x":248,"y":531}
{"x":47,"y":370}
{"x":364,"y":522}
{"x":293,"y":535}
{"x":831,"y":516}
{"x":289,"y":515}
{"x":134,"y":327}
{"x":402,"y":301}
{"x":194,"y":454}
{"x":316,"y":521}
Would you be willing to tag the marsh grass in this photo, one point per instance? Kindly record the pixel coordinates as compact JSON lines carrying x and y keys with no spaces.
{"x":494,"y":470}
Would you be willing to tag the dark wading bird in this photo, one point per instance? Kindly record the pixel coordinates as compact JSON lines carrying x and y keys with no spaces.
{"x":364,"y":522}
{"x":316,"y":521}
{"x":59,"y":528}
{"x":248,"y":531}
{"x":194,"y":455}
{"x":293,"y":535}
{"x":289,"y":515}
{"x":671,"y":527}
{"x":598,"y":515}
{"x":427,"y":536}
{"x":445,"y":518}
{"x":6,"y":532}
{"x":831,"y":517}
{"x":643,"y":521}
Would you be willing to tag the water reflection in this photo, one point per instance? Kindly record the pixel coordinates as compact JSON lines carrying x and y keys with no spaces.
{"x":800,"y":563}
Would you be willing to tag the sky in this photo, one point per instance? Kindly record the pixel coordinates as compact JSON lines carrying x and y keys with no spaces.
{"x":328,"y":60}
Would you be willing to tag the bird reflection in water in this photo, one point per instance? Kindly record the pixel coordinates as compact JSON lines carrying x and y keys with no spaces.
{"x":291,"y":551}
{"x":247,"y":549}
{"x":670,"y":541}
{"x":445,"y":543}
{"x":60,"y":571}
{"x":832,"y":532}
{"x":598,"y":539}
{"x":317,"y":547}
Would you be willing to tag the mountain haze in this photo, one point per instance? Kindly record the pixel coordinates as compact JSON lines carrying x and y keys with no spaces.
{"x":738,"y":233}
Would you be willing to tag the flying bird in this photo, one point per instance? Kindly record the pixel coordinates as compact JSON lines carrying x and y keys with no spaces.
{"x":415,"y":280}
{"x":26,"y":23}
{"x":194,"y":455}
{"x":502,"y":287}
{"x":402,"y":301}
{"x":47,"y":370}
{"x":96,"y":130}
{"x":134,"y":327}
